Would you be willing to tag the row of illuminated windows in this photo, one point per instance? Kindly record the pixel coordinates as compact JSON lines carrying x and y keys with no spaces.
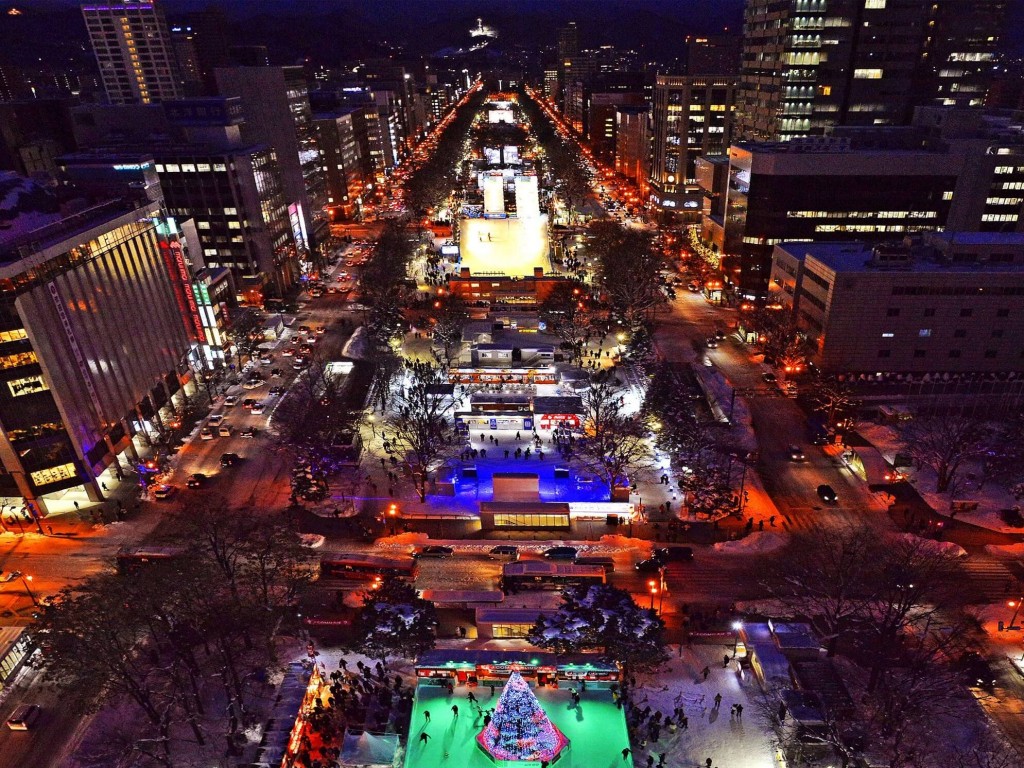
{"x":191,"y":168}
{"x":1004,"y":169}
{"x":206,"y":225}
{"x":17,"y":360}
{"x":861,"y":214}
{"x":953,"y":353}
{"x":864,"y":228}
{"x":1004,"y":200}
{"x":17,"y":334}
{"x":960,"y":290}
{"x":1006,"y":217}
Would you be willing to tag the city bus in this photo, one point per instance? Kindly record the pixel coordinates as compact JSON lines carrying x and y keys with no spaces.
{"x":353,"y":566}
{"x":131,"y":560}
{"x":539,"y":574}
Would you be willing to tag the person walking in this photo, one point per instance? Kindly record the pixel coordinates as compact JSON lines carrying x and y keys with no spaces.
{"x":684,"y":722}
{"x":706,"y":671}
{"x":725,"y":661}
{"x":426,"y":715}
{"x":472,"y":697}
{"x":718,"y":700}
{"x":650,"y":761}
{"x":739,"y":711}
{"x":487,"y":719}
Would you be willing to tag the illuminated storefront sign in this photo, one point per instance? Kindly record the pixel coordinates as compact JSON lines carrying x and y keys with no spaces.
{"x":27,"y":386}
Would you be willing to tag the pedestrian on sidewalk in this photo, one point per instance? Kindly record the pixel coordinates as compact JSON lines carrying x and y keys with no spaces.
{"x":426,"y":715}
{"x":739,"y":710}
{"x":725,"y":661}
{"x":718,"y":700}
{"x":706,"y":671}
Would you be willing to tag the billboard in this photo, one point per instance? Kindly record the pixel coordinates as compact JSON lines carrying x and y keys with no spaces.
{"x":492,"y":155}
{"x":511,"y":154}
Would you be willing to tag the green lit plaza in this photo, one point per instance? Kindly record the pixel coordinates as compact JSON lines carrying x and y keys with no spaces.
{"x":594,"y":729}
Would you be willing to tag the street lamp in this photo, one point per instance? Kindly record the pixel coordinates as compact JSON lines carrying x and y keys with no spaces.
{"x":736,"y":627}
{"x":1015,"y":604}
{"x":654,"y":591}
{"x":393,"y":515}
{"x":25,"y":580}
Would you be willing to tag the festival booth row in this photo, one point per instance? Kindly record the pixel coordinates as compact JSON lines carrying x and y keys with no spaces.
{"x":481,"y":667}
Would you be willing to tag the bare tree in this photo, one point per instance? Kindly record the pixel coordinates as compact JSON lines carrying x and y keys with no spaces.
{"x":945,"y":442}
{"x":616,"y":446}
{"x":629,"y":266}
{"x":833,"y":398}
{"x":447,"y":321}
{"x":419,"y":428}
{"x":568,"y":315}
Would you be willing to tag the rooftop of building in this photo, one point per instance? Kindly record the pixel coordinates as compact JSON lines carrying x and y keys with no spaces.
{"x":853,"y":256}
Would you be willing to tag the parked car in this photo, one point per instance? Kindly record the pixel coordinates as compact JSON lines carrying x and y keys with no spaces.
{"x":196,"y":480}
{"x":796,"y":453}
{"x":434,"y":550}
{"x":249,"y":402}
{"x":229,"y":459}
{"x":673,"y":554}
{"x":215,"y":419}
{"x":605,"y":562}
{"x":768,"y":377}
{"x":504,"y":552}
{"x":163,"y":491}
{"x":276,"y":391}
{"x":561,"y":553}
{"x":827,"y":494}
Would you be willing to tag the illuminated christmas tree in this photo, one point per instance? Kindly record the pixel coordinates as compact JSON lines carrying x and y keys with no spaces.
{"x":520,"y":729}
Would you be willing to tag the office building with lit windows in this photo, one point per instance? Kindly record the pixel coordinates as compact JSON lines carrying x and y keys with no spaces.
{"x":808,"y":65}
{"x":941,"y":303}
{"x":956,"y":170}
{"x":98,"y":330}
{"x":691,"y":118}
{"x":134,"y":51}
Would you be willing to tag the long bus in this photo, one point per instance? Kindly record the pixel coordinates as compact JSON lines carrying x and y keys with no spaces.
{"x":540,"y":574}
{"x":132,"y":560}
{"x":356,"y":566}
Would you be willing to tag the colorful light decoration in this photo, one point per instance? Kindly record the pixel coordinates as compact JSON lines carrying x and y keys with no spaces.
{"x":520,"y":730}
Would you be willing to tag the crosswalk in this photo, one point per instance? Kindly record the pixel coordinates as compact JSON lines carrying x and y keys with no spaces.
{"x":989,"y":580}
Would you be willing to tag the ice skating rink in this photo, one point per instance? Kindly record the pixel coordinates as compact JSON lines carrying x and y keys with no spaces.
{"x":511,"y":247}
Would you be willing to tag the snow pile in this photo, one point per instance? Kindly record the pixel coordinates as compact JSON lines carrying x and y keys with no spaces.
{"x":357,"y":347}
{"x":404,"y":540}
{"x":311,"y":540}
{"x":939,"y":547}
{"x":616,"y":542}
{"x":1005,"y":550}
{"x":755,"y":543}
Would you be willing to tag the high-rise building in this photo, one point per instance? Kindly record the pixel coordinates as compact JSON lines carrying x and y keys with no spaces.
{"x":809,"y":65}
{"x":692,"y":117}
{"x":133,"y":49}
{"x":714,"y":55}
{"x":336,"y":135}
{"x":186,"y":54}
{"x":277,"y":113}
{"x":96,"y":337}
{"x":954,"y":169}
{"x":633,"y":145}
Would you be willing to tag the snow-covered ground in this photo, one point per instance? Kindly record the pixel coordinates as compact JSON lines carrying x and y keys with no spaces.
{"x":991,"y":498}
{"x":730,"y":742}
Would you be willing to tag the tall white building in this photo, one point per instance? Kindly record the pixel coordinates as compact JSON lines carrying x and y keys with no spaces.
{"x":133,"y":48}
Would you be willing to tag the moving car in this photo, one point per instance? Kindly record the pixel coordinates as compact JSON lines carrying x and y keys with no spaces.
{"x":206,"y":433}
{"x":434,"y":550}
{"x":276,"y":391}
{"x":231,"y":401}
{"x":650,"y":565}
{"x":827,"y":494}
{"x":229,"y":459}
{"x":253,"y":382}
{"x":504,"y":551}
{"x":196,"y":480}
{"x":24,"y":717}
{"x":163,"y":491}
{"x":249,"y":402}
{"x":215,"y":419}
{"x":796,"y":453}
{"x":768,"y":377}
{"x":259,"y":408}
{"x":977,"y":672}
{"x":249,"y":433}
{"x":224,"y":430}
{"x":561,"y":553}
{"x":711,"y":342}
{"x":673,"y":554}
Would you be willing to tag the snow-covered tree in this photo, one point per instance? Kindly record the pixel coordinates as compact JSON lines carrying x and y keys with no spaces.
{"x":603,"y":617}
{"x":394,"y":621}
{"x":945,"y":442}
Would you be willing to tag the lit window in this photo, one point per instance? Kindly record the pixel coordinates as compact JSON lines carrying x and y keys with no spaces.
{"x":867,"y":73}
{"x":924,"y":332}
